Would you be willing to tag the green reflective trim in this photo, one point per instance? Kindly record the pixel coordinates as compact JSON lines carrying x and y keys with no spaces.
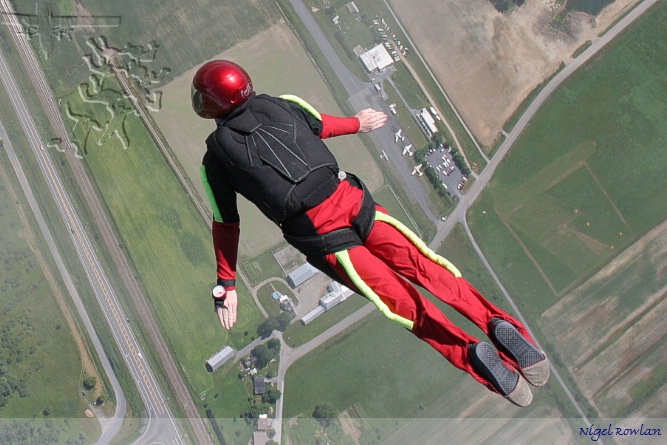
{"x":344,"y":259}
{"x":214,"y":205}
{"x":418,"y":243}
{"x":303,"y":104}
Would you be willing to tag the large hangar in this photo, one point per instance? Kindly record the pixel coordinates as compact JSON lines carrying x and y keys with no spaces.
{"x":376,"y":58}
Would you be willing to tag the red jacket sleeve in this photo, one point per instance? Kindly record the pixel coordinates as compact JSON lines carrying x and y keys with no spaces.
{"x":225,"y":244}
{"x":338,"y":126}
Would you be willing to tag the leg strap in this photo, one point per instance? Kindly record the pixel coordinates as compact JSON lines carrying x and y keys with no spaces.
{"x":343,"y":258}
{"x":417,"y":242}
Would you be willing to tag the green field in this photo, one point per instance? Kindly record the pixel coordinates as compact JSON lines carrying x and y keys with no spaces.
{"x":167,"y":241}
{"x":366,"y":367}
{"x":586,"y":178}
{"x":37,"y":345}
{"x":183,"y":33}
{"x":376,"y":355}
{"x":358,"y":30}
{"x":263,"y":57}
{"x":581,"y":188}
{"x":265,"y":297}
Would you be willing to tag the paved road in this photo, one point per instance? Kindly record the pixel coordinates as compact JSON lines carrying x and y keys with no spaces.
{"x":363,"y":95}
{"x":110,"y":426}
{"x":288,"y":355}
{"x":160,"y":428}
{"x":459,"y":214}
{"x":484,"y":177}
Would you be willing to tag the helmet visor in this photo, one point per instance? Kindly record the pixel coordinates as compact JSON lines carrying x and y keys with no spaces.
{"x":197,"y":100}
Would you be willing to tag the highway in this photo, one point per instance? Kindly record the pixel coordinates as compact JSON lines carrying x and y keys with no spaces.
{"x":112,"y":426}
{"x":160,"y":427}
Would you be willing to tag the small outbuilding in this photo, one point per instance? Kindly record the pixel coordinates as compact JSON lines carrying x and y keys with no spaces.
{"x":301,"y":275}
{"x":220,"y":358}
{"x":260,"y":438}
{"x":352,"y":8}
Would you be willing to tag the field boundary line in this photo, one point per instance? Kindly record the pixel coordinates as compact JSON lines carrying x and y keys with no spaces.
{"x":530,"y":256}
{"x":613,"y":204}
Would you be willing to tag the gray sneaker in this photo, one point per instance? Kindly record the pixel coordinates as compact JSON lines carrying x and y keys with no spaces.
{"x":485,"y":360}
{"x":533,"y":364}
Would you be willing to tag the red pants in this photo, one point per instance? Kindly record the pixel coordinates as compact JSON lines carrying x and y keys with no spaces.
{"x":387,"y":263}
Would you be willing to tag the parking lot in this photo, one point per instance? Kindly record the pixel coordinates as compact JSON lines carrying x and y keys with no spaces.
{"x":448,"y":173}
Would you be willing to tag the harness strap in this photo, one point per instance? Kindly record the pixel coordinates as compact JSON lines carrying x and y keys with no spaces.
{"x":343,"y":258}
{"x":341,"y":239}
{"x":418,"y":243}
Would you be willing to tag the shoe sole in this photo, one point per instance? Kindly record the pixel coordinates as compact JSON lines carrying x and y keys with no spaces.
{"x":533,"y":364}
{"x":511,"y":385}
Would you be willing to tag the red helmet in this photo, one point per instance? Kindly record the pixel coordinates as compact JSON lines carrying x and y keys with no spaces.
{"x":218,"y":88}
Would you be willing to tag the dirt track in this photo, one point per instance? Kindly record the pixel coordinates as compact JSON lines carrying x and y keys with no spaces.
{"x":489,"y":62}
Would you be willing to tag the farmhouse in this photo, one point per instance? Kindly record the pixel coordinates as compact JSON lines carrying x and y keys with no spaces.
{"x":219,"y":359}
{"x":258,"y":385}
{"x":301,"y":275}
{"x":376,"y":58}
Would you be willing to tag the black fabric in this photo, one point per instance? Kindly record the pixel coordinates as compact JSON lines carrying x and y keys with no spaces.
{"x":271,"y":154}
{"x":319,"y":245}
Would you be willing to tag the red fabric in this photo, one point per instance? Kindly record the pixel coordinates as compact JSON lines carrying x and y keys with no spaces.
{"x":225,"y":244}
{"x":338,"y":126}
{"x":388,"y":262}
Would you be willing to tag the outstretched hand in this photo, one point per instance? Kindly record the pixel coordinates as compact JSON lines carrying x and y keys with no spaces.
{"x":227,"y":312}
{"x":370,"y":119}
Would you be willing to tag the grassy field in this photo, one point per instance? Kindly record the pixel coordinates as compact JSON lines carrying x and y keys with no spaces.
{"x":582,"y":183}
{"x":167,"y":242}
{"x":366,"y":367}
{"x":263,"y":56}
{"x":617,"y":360}
{"x":39,"y":344}
{"x":182,"y":37}
{"x":363,"y":33}
{"x":582,"y":187}
{"x":265,"y":296}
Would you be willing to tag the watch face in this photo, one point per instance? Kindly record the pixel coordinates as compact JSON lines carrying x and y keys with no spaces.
{"x":218,"y":292}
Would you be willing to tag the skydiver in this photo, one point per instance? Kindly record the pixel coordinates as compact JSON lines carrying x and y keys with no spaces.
{"x":270,"y":150}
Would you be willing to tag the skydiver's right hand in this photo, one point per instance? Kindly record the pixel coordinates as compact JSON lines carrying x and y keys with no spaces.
{"x":370,"y":119}
{"x":227,"y":310}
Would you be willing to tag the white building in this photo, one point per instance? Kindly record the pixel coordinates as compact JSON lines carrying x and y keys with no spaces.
{"x":312,"y":315}
{"x":337,"y":294}
{"x":376,"y":58}
{"x":301,"y":275}
{"x":352,"y":8}
{"x":427,"y":122}
{"x":219,"y":359}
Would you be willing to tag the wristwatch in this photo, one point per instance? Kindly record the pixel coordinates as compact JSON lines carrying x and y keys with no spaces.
{"x":218,"y":292}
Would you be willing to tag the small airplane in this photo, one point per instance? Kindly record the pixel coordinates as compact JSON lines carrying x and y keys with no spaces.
{"x":418,"y":170}
{"x":406,"y":150}
{"x":384,"y":155}
{"x":399,"y":135}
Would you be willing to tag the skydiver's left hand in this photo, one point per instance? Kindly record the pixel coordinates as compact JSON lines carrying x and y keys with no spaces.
{"x":227,"y":312}
{"x":370,"y":119}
